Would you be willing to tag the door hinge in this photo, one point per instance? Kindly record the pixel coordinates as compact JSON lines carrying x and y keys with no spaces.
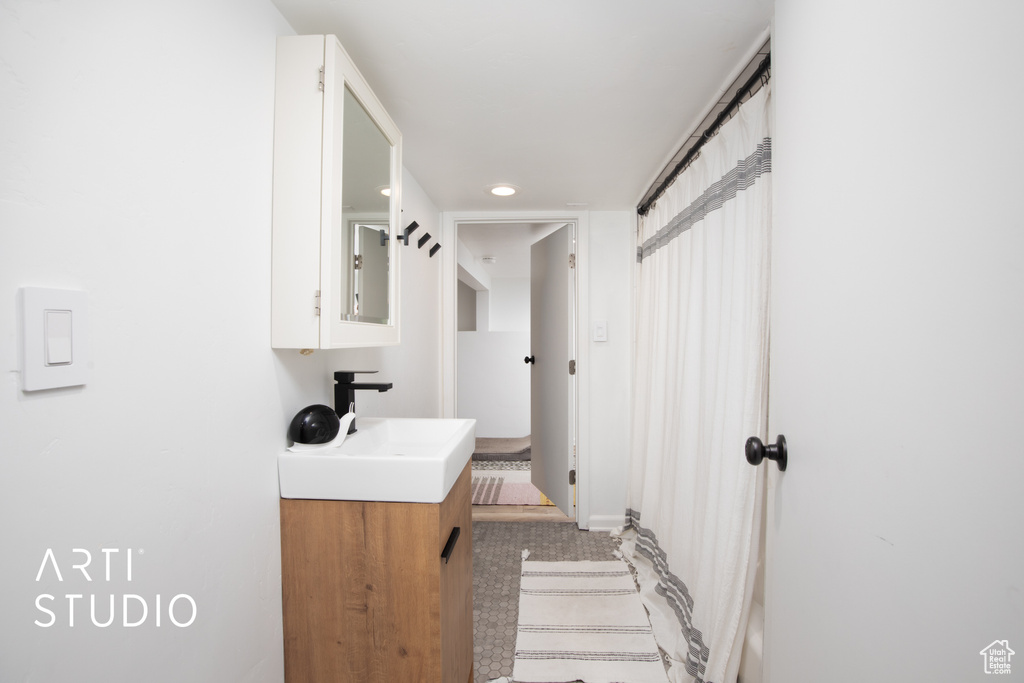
{"x":357,"y":262}
{"x":572,"y":477}
{"x":572,"y":367}
{"x":321,"y":86}
{"x":316,"y":303}
{"x":572,"y":260}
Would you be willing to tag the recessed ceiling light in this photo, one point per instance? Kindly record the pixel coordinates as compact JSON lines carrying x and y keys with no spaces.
{"x":384,"y":190}
{"x":489,"y":260}
{"x":502,"y":190}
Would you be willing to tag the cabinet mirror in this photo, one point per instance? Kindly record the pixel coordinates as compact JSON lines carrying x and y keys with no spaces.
{"x":366,"y":193}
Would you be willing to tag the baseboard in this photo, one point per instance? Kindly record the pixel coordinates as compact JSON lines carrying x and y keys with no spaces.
{"x":605,"y":522}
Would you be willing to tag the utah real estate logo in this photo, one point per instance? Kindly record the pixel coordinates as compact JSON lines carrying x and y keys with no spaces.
{"x":997,"y":657}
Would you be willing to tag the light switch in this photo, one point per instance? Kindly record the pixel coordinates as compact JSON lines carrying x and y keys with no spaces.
{"x":58,"y":337}
{"x":600,"y":330}
{"x":54,"y":334}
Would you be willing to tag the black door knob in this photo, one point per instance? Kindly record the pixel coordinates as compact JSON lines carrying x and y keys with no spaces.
{"x":757,"y":451}
{"x":528,"y":359}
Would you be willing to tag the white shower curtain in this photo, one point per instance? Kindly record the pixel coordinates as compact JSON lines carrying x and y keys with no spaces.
{"x":700,"y":390}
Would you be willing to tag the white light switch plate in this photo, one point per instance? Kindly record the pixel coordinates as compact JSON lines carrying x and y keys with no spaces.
{"x":54,"y":336}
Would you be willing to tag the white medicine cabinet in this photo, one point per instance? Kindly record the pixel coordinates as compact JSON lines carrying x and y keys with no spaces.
{"x":337,"y":203}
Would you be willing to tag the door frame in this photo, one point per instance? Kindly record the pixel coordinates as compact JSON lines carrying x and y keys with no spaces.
{"x":450,"y":221}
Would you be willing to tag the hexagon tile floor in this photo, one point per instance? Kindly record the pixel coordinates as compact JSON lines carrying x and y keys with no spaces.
{"x":497,"y":554}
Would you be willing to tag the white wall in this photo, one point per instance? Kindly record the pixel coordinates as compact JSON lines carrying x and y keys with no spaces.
{"x":466,"y":308}
{"x":509,"y":305}
{"x":414,"y":366}
{"x":605,"y":378}
{"x":136,"y":164}
{"x":137,"y":167}
{"x":470,"y":271}
{"x":494,"y":383}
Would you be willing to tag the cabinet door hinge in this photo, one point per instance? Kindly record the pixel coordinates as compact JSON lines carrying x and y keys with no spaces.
{"x":572,"y":260}
{"x":321,"y":86}
{"x":572,"y":477}
{"x":316,"y":303}
{"x":572,"y":367}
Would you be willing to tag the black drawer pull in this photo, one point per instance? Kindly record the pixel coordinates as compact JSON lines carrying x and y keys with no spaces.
{"x":449,"y":547}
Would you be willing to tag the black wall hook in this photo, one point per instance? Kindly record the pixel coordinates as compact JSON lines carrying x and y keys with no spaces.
{"x":404,"y":237}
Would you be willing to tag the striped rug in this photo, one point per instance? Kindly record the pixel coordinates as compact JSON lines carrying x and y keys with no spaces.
{"x":583,"y":621}
{"x":505,"y":483}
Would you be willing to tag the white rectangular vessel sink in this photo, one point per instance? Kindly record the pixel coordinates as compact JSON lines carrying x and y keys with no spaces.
{"x":405,"y":460}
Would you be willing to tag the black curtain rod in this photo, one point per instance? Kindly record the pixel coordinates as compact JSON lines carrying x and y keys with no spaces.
{"x":763,"y":69}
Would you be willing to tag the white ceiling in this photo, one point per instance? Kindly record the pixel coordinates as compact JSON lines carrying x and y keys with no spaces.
{"x":508,"y":243}
{"x":574,"y":101}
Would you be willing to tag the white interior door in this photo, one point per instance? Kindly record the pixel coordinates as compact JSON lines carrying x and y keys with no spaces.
{"x":893,"y":545}
{"x":552,"y":388}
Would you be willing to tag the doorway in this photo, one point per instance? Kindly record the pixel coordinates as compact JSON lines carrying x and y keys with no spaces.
{"x":492,"y":311}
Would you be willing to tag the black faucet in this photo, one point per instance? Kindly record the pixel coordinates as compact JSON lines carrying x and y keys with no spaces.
{"x":345,"y":392}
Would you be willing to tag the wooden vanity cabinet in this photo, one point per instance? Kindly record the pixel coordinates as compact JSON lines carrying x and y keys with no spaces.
{"x":367,"y":595}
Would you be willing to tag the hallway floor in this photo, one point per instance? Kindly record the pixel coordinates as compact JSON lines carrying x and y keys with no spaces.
{"x":518,"y":513}
{"x":497,"y":554}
